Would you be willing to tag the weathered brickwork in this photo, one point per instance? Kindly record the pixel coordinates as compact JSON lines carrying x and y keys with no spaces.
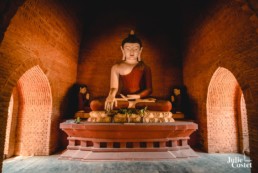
{"x":34,"y":119}
{"x":222,"y":115}
{"x":42,"y":56}
{"x":225,"y":37}
{"x":243,"y":126}
{"x":47,"y":35}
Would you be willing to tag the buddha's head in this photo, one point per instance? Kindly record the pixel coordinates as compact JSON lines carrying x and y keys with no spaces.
{"x":131,"y":47}
{"x":177,"y":91}
{"x":83,"y":89}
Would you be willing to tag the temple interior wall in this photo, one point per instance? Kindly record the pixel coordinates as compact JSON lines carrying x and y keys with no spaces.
{"x":50,"y":35}
{"x":225,"y":37}
{"x":46,"y":35}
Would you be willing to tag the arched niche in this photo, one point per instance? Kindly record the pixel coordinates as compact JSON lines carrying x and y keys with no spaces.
{"x":30,"y":115}
{"x":226,"y":114}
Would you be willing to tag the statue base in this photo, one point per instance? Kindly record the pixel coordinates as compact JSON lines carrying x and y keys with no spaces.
{"x":128,"y":141}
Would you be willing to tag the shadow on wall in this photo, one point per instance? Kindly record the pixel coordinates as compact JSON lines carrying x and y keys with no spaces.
{"x":68,"y":107}
{"x":69,"y":104}
{"x":186,"y":104}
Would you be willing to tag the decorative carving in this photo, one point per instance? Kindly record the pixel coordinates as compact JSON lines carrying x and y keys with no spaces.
{"x":148,"y":117}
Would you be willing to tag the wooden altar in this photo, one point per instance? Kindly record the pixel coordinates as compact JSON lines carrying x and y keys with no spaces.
{"x":128,"y":141}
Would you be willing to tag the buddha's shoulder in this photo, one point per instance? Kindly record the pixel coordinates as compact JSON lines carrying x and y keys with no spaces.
{"x":122,"y":65}
{"x":117,"y":65}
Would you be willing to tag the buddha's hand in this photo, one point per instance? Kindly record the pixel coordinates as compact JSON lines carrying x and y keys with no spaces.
{"x":133,"y":96}
{"x":109,"y":103}
{"x":173,"y":99}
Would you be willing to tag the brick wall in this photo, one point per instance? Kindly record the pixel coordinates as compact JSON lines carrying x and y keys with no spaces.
{"x":46,"y":34}
{"x":8,"y":146}
{"x":7,"y":11}
{"x":222,"y":112}
{"x":41,"y":33}
{"x":34,"y":118}
{"x":244,"y":136}
{"x":10,"y":138}
{"x":226,"y":35}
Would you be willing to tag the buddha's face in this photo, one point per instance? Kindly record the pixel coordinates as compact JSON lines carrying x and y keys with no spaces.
{"x":132,"y":51}
{"x":83,"y":90}
{"x":176,"y":91}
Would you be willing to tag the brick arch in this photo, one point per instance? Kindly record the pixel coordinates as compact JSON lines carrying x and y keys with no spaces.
{"x":35,"y":106}
{"x":6,"y":92}
{"x":224,"y":97}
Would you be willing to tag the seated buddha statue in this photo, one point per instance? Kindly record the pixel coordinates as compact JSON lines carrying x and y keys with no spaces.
{"x":83,"y":99}
{"x":134,"y":78}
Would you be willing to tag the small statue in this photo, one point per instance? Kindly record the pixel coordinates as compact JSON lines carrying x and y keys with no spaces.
{"x":84,"y":99}
{"x":176,"y":99}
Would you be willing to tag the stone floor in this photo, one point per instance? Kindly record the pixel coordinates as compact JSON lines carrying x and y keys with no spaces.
{"x":206,"y":163}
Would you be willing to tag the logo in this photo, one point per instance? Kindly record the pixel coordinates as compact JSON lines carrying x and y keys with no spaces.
{"x":240,"y":162}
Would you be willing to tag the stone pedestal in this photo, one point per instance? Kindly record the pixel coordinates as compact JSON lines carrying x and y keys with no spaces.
{"x":129,"y":141}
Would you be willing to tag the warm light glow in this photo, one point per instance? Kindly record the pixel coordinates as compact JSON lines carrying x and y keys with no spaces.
{"x":222,"y":112}
{"x":35,"y":105}
{"x":8,"y":149}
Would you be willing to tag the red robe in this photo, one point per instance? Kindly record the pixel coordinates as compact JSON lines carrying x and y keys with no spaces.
{"x":138,"y":81}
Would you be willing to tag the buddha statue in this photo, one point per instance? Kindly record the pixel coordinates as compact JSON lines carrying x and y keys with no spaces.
{"x":134,"y":78}
{"x":83,"y":102}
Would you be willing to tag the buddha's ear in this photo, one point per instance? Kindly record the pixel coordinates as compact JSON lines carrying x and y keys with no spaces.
{"x":139,"y":56}
{"x":123,"y":53}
